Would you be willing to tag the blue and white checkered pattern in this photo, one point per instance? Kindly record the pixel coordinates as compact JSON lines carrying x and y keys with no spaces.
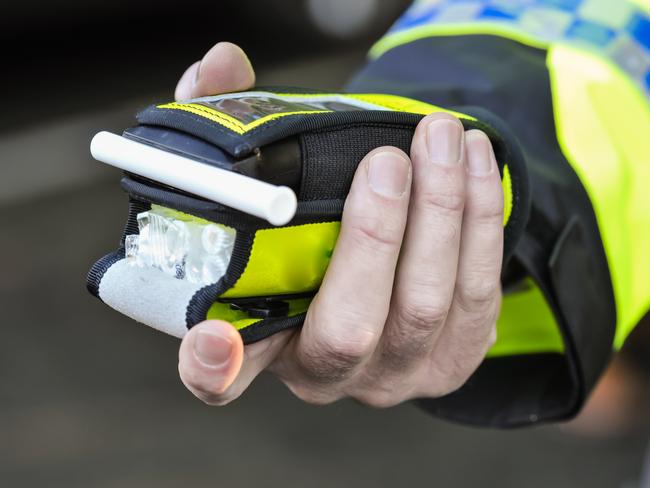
{"x":617,"y":29}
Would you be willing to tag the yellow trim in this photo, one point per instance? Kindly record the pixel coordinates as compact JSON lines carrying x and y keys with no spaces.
{"x":388,"y":102}
{"x":603,"y":127}
{"x":526,"y":325}
{"x":506,"y":183}
{"x":403,"y":104}
{"x":287,"y":260}
{"x":228,"y":121}
{"x":396,"y":39}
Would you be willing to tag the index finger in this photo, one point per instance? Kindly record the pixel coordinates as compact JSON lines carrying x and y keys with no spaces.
{"x":347,"y":316}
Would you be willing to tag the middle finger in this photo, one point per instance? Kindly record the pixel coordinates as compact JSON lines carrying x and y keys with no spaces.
{"x":426,"y":273}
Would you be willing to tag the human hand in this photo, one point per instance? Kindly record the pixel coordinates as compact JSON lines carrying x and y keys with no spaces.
{"x":409,"y":302}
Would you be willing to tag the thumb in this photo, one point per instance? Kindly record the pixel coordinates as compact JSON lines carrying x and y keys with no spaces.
{"x":216,"y":367}
{"x":224,"y":68}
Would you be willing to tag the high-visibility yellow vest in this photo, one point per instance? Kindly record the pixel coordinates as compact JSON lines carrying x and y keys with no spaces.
{"x":572,"y":79}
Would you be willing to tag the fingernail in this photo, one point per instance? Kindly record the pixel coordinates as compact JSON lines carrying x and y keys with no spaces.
{"x":388,"y":174}
{"x":479,"y":157}
{"x":212,"y":348}
{"x":187,"y":82}
{"x":444,"y":141}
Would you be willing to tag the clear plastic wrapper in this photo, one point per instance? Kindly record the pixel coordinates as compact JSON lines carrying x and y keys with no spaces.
{"x":180,"y":245}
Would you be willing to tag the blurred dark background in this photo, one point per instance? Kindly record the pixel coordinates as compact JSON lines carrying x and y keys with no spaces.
{"x":88,"y":398}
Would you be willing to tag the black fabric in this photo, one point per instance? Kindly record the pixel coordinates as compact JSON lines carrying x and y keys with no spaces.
{"x":203,"y":299}
{"x":561,"y":246}
{"x":98,"y":269}
{"x":540,"y":381}
{"x":131,"y":227}
{"x":266,"y":328}
{"x":148,"y":191}
{"x":581,"y":292}
{"x":331,"y":156}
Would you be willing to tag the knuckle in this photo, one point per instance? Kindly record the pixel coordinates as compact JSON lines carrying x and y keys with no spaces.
{"x":349,"y":318}
{"x":408,"y":337}
{"x":448,"y":202}
{"x":488,"y":209}
{"x":374,"y":233}
{"x":476,"y":293}
{"x":332,"y":359}
{"x":494,"y":204}
{"x":444,"y":191}
{"x":486,"y":201}
{"x":422,"y":315}
{"x":402,"y":347}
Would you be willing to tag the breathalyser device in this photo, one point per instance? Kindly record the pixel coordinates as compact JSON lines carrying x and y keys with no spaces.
{"x":235,"y":201}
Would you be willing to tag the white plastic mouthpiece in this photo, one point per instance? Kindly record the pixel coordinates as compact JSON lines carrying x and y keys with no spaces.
{"x":276,"y":204}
